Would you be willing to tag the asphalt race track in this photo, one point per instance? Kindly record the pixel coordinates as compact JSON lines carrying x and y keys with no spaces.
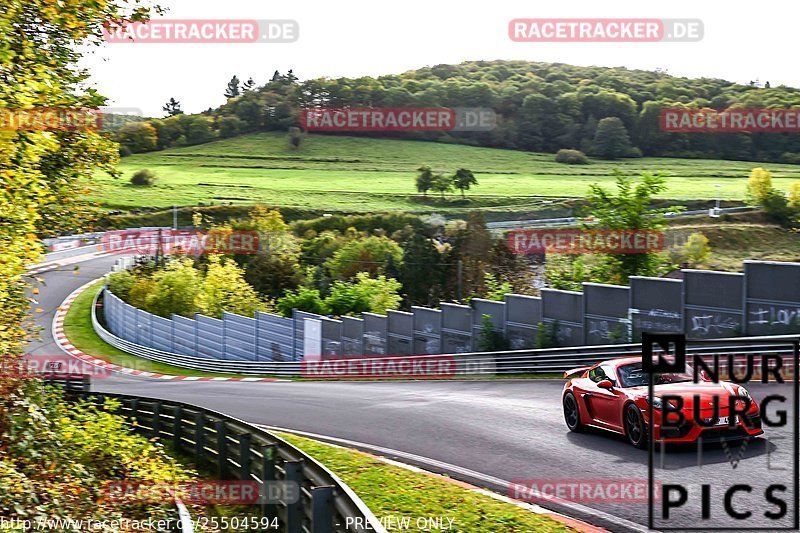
{"x":486,"y":432}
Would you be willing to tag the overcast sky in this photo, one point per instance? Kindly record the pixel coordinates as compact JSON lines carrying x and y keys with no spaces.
{"x":360,"y":37}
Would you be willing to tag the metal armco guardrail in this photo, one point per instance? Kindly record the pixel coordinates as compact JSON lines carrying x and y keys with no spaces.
{"x":71,"y":383}
{"x":240,"y":451}
{"x":574,"y":221}
{"x":510,"y":363}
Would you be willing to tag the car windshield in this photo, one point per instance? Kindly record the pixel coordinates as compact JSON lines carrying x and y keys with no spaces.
{"x":633,"y":375}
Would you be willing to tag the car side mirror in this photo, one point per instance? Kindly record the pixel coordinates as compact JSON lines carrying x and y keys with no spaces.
{"x":606,"y":384}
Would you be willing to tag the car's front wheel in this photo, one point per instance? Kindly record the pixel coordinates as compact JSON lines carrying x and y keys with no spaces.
{"x":572,"y":414}
{"x":635,"y":428}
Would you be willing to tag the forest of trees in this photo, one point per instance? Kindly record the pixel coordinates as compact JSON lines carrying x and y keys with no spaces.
{"x":540,"y":107}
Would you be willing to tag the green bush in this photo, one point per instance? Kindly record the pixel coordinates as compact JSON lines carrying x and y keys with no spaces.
{"x":143,"y":178}
{"x":372,"y":295}
{"x":571,"y":157}
{"x":777,"y":208}
{"x":230,"y":126}
{"x":175,"y":290}
{"x":390,"y":222}
{"x":120,"y":284}
{"x":489,"y":339}
{"x":302,"y":299}
{"x":224,"y":288}
{"x":547,"y":335}
{"x":697,"y":249}
{"x":365,"y":255}
{"x":56,"y":458}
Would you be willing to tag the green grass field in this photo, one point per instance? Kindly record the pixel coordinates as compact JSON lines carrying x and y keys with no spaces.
{"x":358,"y":174}
{"x":400,"y":493}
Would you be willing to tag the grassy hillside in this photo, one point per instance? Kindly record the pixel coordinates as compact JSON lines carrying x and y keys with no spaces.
{"x":357,"y":174}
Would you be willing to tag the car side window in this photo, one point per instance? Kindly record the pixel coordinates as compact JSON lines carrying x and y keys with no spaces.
{"x":608,"y":373}
{"x":597,"y":374}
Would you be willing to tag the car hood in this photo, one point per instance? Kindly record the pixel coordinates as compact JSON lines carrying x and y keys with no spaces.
{"x":706,"y":392}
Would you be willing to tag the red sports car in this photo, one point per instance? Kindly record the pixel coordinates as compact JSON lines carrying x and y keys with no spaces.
{"x":613,"y":395}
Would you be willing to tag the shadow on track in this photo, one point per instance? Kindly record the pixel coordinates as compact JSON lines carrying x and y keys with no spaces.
{"x":676,"y":457}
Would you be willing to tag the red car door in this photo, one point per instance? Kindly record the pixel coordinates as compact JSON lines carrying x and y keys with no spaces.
{"x":605,"y":405}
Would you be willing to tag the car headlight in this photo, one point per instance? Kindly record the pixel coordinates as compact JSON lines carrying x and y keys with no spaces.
{"x":658,"y":403}
{"x":655,"y":402}
{"x":748,"y":402}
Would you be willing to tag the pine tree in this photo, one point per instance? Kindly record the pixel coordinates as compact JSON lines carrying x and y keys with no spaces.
{"x":232,"y":90}
{"x":172,"y":108}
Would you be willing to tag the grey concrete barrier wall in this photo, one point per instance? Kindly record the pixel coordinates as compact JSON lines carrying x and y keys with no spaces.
{"x":656,"y":306}
{"x":713,"y":304}
{"x":331,"y":337}
{"x":523,"y":314}
{"x":331,"y":342}
{"x":183,"y":336}
{"x":375,"y":331}
{"x":352,"y":336}
{"x":210,"y":337}
{"x":162,"y":333}
{"x":275,"y":338}
{"x":496,"y":311}
{"x":562,"y":312}
{"x":605,"y":313}
{"x":240,"y":337}
{"x":764,"y":300}
{"x":772,"y":297}
{"x":400,"y":333}
{"x":144,"y":334}
{"x":456,"y":328}
{"x":427,"y":331}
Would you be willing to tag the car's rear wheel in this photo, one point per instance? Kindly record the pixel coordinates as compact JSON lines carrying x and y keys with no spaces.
{"x":572,"y":414}
{"x":635,"y":429}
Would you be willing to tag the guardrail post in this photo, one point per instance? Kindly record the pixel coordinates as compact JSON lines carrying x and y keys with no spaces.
{"x":156,"y":425}
{"x":294,"y":516}
{"x":199,"y":435}
{"x":322,"y":509}
{"x":268,"y":453}
{"x":244,"y":456}
{"x":135,"y":409}
{"x":268,"y":508}
{"x":222,"y":448}
{"x":98,"y":400}
{"x":177,"y":423}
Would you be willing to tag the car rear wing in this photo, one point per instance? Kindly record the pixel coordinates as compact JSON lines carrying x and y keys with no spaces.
{"x":575,"y":372}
